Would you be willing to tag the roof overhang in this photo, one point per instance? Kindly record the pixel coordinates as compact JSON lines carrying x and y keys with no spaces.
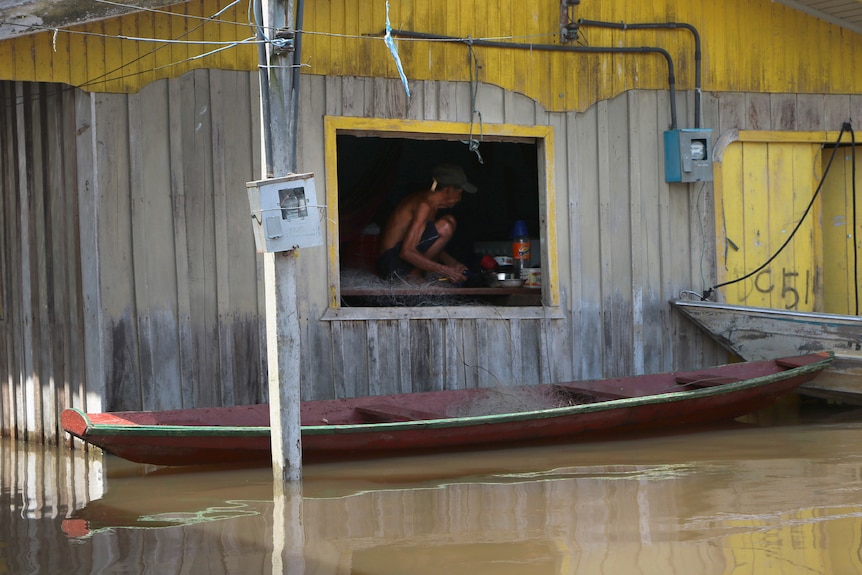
{"x":844,"y":13}
{"x":19,"y":17}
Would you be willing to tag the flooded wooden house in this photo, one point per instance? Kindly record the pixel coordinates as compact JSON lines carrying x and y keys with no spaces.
{"x":649,"y":148}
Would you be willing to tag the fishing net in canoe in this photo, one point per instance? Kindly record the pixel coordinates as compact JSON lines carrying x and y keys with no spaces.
{"x":496,"y":400}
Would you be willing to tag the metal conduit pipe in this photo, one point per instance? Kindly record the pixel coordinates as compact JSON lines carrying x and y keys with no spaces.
{"x":663,"y":26}
{"x":300,"y":11}
{"x":263,"y":73}
{"x":264,"y":85}
{"x":558,"y":48}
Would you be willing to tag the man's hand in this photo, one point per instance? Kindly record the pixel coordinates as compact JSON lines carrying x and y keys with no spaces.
{"x":455,"y":274}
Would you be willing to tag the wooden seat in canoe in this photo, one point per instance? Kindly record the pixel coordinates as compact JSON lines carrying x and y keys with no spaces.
{"x":382,"y":413}
{"x":793,"y":362}
{"x":705,"y":379}
{"x":598,"y":394}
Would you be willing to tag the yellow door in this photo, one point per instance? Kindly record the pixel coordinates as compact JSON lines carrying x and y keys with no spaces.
{"x":841,"y":265}
{"x":764,"y":185}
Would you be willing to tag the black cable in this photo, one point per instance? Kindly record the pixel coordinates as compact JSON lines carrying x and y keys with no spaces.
{"x":849,"y":126}
{"x":708,"y":292}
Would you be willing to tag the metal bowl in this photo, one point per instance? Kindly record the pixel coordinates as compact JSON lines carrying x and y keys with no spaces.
{"x":504,"y":279}
{"x":512,"y":283}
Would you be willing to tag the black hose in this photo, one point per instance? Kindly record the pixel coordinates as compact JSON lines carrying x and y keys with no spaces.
{"x":558,"y":48}
{"x":849,"y":127}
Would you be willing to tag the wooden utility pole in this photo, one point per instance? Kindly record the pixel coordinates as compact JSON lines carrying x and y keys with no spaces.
{"x":282,"y":324}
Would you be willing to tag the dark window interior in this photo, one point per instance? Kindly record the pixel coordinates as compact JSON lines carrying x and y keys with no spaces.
{"x":374,"y":173}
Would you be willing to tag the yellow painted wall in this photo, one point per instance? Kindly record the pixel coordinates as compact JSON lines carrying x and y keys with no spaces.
{"x":103,"y":56}
{"x":748,"y":46}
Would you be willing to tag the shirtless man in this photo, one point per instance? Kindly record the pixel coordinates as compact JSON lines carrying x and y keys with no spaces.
{"x":414,"y":239}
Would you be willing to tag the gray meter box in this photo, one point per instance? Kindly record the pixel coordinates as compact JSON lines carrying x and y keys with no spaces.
{"x":688,"y":155}
{"x":285,"y":214}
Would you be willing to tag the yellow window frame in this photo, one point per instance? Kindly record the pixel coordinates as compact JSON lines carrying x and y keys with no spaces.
{"x":542,"y":136}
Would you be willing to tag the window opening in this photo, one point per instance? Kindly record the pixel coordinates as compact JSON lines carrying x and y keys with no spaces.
{"x":374,"y":173}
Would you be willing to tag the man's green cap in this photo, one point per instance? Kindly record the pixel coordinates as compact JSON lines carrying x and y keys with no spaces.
{"x":453,"y":175}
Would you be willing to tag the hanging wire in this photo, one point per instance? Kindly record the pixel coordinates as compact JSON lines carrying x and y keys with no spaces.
{"x":472,"y":143}
{"x":709,"y":291}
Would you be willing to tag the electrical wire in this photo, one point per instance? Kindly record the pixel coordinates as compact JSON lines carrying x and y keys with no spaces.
{"x":153,"y":51}
{"x":123,"y":36}
{"x":473,"y":143}
{"x":709,"y":291}
{"x":205,"y":20}
{"x":213,"y":19}
{"x":224,"y":44}
{"x":109,"y":77}
{"x":104,"y":77}
{"x":700,"y":218}
{"x":849,"y":126}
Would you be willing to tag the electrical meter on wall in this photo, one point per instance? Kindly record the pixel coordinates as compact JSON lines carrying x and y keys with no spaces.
{"x":688,"y":155}
{"x":284,"y":213}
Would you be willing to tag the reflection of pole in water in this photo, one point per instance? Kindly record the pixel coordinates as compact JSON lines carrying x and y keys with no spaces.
{"x":288,"y":537}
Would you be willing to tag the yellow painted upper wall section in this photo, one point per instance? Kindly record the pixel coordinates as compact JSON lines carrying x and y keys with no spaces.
{"x":747,"y":45}
{"x":106,"y":55}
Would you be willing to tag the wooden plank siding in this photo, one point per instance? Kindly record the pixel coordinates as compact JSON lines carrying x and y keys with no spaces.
{"x":161,"y":297}
{"x":129,"y":276}
{"x":599,"y":330}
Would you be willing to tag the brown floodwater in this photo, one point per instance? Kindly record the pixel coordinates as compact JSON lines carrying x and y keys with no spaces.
{"x":778,"y":497}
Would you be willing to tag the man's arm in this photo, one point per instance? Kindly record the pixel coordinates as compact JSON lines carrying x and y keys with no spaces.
{"x":409,"y":252}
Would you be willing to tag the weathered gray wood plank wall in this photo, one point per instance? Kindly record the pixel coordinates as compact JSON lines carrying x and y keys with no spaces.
{"x":41,"y":330}
{"x":130,"y":280}
{"x":178,"y":275}
{"x":627,"y":242}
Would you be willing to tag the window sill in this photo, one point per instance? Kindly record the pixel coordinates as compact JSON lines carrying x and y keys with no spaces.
{"x":442,"y":291}
{"x":495,"y":312}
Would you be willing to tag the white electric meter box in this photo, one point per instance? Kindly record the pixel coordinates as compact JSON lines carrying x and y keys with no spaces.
{"x":285,"y":213}
{"x":688,"y":155}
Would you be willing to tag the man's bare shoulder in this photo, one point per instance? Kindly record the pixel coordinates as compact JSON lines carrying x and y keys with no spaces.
{"x":412,"y":202}
{"x":416,"y":198}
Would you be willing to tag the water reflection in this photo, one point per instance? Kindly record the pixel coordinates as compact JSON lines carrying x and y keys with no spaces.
{"x":753,"y":500}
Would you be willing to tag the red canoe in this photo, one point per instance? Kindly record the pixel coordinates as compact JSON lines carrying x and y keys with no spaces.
{"x":439,"y":420}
